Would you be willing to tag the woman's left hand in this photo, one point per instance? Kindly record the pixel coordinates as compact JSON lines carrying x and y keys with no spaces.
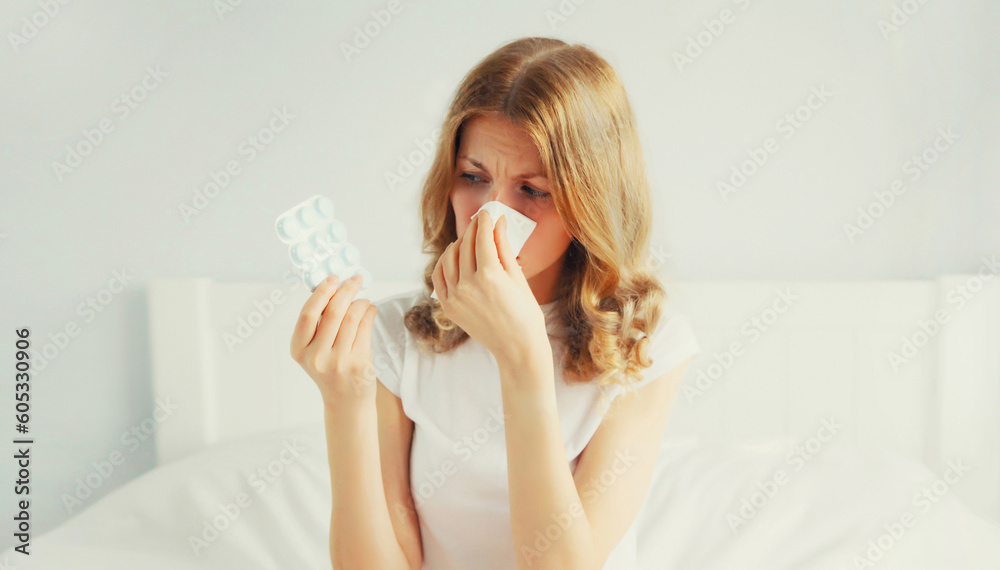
{"x":482,"y":289}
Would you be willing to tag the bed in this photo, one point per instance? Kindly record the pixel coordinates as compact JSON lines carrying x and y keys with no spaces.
{"x":808,"y":435}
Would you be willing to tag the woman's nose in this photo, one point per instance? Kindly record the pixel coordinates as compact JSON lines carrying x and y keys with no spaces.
{"x":497,"y":194}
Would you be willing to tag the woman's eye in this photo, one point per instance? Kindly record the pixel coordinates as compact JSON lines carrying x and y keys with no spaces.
{"x":535,"y":193}
{"x":531,"y":192}
{"x":470,"y":178}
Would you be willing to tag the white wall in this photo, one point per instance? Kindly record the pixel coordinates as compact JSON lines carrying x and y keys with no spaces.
{"x":62,"y":240}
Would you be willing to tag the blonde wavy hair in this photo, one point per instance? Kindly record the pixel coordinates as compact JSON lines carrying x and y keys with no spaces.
{"x":573,"y":105}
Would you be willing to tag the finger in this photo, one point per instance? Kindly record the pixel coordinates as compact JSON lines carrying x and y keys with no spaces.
{"x":504,"y":251}
{"x":305,"y":326}
{"x":437,"y":277}
{"x":363,"y":341}
{"x":450,"y":261}
{"x":333,"y":314}
{"x":467,"y":257}
{"x":348,"y":329}
{"x":486,"y":248}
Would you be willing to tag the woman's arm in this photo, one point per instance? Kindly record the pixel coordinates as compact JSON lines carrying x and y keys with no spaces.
{"x":332,"y":343}
{"x":395,"y":437}
{"x":549,"y":524}
{"x":361,"y":531}
{"x":552,"y":527}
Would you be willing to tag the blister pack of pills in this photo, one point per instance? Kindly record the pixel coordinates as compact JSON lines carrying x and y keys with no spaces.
{"x":317,"y":243}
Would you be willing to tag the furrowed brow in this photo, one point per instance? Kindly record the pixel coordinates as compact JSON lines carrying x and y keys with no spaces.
{"x":479,"y":165}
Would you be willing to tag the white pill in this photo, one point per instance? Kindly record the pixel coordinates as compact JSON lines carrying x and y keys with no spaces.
{"x":301,"y":252}
{"x":324,"y":206}
{"x":351,"y":255}
{"x":335,"y":265}
{"x":288,"y":227}
{"x":321,"y":242}
{"x":337,"y":231}
{"x":308,"y":217}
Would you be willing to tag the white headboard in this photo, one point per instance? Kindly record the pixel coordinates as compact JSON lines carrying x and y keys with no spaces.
{"x":824,"y":353}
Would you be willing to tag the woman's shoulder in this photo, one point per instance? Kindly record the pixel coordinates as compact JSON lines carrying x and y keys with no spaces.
{"x":673,"y":316}
{"x":395,"y":305}
{"x":390,"y":337}
{"x":673,"y":340}
{"x":673,"y":328}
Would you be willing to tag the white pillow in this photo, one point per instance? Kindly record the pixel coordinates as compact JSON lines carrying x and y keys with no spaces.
{"x":803,"y":510}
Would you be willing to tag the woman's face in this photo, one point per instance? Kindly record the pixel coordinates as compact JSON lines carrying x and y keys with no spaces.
{"x":498,"y":161}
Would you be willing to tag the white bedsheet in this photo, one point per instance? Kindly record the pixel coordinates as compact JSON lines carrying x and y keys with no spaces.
{"x":822,"y":516}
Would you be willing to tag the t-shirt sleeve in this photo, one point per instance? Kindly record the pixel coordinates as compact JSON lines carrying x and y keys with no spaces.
{"x":673,"y":341}
{"x":389,"y":344}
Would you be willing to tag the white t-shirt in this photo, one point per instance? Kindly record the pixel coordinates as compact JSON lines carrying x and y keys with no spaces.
{"x":458,"y":459}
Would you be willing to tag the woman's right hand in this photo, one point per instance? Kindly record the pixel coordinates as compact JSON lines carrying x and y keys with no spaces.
{"x":336,"y":352}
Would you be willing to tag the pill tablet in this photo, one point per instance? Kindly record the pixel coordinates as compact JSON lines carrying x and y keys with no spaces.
{"x":337,"y":231}
{"x":324,"y":206}
{"x":301,"y":252}
{"x":288,"y":228}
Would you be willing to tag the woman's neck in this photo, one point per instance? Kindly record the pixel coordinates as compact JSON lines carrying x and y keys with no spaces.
{"x":543,"y":283}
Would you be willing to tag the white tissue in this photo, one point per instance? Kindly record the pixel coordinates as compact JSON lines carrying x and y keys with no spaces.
{"x":519,"y":226}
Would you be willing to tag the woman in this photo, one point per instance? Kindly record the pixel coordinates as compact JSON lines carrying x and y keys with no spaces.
{"x":487,"y":440}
